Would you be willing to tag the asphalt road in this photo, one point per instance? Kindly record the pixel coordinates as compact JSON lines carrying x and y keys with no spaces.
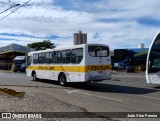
{"x":126,"y":92}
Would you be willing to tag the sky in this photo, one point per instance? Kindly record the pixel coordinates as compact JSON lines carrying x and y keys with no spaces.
{"x":120,"y":24}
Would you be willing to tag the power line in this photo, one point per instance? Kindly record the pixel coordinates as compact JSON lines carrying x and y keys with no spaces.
{"x":15,"y":10}
{"x":9,"y":8}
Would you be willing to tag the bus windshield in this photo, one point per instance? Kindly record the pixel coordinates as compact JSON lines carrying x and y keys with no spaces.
{"x":98,"y":51}
{"x":18,"y":61}
{"x":154,"y":57}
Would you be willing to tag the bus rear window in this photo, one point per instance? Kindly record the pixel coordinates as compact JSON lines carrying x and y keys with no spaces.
{"x":98,"y":51}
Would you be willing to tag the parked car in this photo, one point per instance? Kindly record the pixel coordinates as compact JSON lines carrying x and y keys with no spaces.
{"x":123,"y":64}
{"x":130,"y":68}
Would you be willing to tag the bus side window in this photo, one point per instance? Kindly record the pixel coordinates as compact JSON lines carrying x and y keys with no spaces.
{"x":66,"y":56}
{"x":35,"y":58}
{"x":57,"y":57}
{"x":77,"y":55}
{"x":41,"y":58}
{"x":54,"y":57}
{"x":73,"y":58}
{"x":63,"y":60}
{"x":29,"y":59}
{"x":48,"y":57}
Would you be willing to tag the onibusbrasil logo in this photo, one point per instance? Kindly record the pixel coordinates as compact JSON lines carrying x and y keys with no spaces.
{"x":21,"y":115}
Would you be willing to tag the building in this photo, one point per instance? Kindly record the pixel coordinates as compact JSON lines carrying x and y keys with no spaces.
{"x":80,"y":38}
{"x":138,"y":57}
{"x":9,"y":52}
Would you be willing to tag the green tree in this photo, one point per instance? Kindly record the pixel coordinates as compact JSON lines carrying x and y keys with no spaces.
{"x":46,"y":44}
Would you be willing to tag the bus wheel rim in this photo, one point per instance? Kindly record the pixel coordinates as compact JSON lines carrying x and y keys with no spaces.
{"x":62,"y":80}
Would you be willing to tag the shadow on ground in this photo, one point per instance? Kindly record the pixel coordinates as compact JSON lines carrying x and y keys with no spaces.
{"x":97,"y":87}
{"x":101,"y":87}
{"x":157,"y":87}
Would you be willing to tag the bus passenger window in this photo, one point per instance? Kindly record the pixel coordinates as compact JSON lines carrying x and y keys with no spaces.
{"x":41,"y":58}
{"x":57,"y":57}
{"x":66,"y":56}
{"x":49,"y":57}
{"x":35,"y":58}
{"x":29,"y":60}
{"x":77,"y":55}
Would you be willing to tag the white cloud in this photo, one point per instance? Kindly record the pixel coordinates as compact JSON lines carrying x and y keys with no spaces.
{"x":114,"y":21}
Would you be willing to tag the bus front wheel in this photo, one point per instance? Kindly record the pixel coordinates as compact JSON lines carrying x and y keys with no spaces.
{"x":62,"y":79}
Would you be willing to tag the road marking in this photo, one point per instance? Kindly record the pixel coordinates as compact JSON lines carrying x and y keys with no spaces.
{"x":71,"y":91}
{"x":149,"y":97}
{"x":101,"y":97}
{"x":78,"y":91}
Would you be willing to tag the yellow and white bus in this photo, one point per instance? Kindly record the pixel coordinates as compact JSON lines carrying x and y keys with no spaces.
{"x":80,"y":63}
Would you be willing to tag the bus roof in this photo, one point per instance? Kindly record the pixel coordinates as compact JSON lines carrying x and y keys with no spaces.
{"x":60,"y":48}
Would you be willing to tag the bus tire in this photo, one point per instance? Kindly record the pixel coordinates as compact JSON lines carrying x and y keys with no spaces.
{"x":62,"y":79}
{"x":35,"y":77}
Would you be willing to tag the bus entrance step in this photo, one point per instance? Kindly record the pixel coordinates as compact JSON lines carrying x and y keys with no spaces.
{"x":11,"y":93}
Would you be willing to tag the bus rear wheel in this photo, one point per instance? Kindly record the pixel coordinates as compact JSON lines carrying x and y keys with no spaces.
{"x":62,"y":79}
